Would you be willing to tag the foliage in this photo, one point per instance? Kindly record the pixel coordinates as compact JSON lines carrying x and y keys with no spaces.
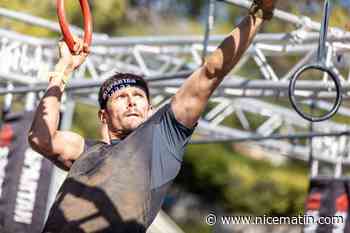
{"x":242,"y":184}
{"x":195,"y":227}
{"x":85,"y":121}
{"x":194,"y":7}
{"x":118,"y":16}
{"x":107,"y":14}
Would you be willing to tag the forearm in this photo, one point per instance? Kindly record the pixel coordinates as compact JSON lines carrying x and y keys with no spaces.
{"x":225,"y":57}
{"x":46,"y":119}
{"x":191,"y":99}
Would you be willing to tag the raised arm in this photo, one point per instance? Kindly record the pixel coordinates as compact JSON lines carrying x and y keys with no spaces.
{"x":191,"y":99}
{"x":61,"y":147}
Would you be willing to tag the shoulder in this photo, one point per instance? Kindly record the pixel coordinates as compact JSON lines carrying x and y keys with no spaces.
{"x":92,"y":144}
{"x":169,"y":119}
{"x":161,"y":112}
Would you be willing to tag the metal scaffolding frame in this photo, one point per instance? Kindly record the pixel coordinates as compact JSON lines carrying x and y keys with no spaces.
{"x":167,"y":60}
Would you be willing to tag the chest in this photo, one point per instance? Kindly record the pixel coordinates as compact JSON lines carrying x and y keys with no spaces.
{"x":125,"y":166}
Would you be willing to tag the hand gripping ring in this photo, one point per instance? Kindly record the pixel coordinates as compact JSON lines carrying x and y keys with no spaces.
{"x":67,"y":35}
{"x":337,"y":87}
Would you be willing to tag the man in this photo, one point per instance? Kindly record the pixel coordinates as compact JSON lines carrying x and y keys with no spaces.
{"x":119,"y":186}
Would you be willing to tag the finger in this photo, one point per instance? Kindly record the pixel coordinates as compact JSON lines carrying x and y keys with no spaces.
{"x":63,"y":47}
{"x":60,"y":43}
{"x":86,"y":48}
{"x":83,"y":56}
{"x":81,"y":46}
{"x":78,"y":45}
{"x":76,"y":48}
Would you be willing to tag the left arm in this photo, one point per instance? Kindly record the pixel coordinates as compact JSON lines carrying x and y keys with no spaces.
{"x":191,"y":99}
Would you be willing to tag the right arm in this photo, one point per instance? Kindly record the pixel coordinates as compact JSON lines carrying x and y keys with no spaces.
{"x":60,"y":147}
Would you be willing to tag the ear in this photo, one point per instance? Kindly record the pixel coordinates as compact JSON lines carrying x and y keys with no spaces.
{"x":102,"y":116}
{"x":105,"y":133}
{"x":150,"y":110}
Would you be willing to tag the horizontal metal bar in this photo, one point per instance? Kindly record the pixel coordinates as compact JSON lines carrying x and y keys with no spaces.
{"x":271,"y":137}
{"x":279,"y":40}
{"x":175,"y":81}
{"x":240,"y":83}
{"x":78,"y":84}
{"x":18,"y":37}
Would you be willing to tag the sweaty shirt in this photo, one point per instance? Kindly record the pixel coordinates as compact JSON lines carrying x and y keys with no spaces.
{"x":119,"y":188}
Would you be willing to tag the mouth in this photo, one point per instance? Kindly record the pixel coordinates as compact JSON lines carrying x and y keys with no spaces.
{"x":132,"y":114}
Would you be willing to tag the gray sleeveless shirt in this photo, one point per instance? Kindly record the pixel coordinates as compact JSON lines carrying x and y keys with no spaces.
{"x":120,"y":188}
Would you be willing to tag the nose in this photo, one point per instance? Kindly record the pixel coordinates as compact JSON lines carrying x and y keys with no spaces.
{"x":131,"y":101}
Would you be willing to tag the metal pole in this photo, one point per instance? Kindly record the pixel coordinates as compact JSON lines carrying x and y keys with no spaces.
{"x":313,"y":163}
{"x":208,"y":27}
{"x":30,"y":101}
{"x":176,"y":80}
{"x":7,"y":101}
{"x":309,"y":135}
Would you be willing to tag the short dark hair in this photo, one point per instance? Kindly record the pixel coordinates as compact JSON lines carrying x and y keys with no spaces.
{"x":117,"y":77}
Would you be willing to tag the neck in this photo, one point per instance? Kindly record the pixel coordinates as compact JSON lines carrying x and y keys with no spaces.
{"x":119,"y":134}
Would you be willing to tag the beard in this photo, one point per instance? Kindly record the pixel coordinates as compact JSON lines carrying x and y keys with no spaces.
{"x":131,"y":123}
{"x":127,"y":126}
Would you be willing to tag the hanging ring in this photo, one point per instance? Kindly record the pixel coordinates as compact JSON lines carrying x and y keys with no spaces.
{"x":338,"y":98}
{"x":67,"y":35}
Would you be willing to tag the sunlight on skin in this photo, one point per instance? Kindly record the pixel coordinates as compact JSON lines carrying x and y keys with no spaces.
{"x":126,"y":110}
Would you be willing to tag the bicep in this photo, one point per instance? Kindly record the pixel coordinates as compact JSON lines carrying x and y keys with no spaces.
{"x":68,"y":145}
{"x":64,"y":149}
{"x":192,"y":97}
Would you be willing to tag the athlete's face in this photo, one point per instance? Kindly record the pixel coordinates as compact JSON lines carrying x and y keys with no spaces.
{"x":126,"y":109}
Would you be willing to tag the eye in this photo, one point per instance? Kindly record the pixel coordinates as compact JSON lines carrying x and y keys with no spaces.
{"x":138,"y":94}
{"x":120,"y":96}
